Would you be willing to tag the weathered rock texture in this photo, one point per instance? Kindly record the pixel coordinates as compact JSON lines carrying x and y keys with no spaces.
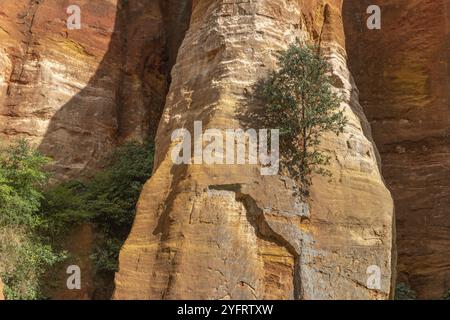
{"x":79,"y":242}
{"x":78,"y":93}
{"x":402,"y":72}
{"x":226,"y":232}
{"x":2,"y":297}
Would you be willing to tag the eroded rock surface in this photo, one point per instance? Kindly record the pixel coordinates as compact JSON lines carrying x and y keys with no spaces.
{"x":78,"y":93}
{"x":225,"y":231}
{"x":402,"y":72}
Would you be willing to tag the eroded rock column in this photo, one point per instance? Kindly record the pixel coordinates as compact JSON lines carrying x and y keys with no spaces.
{"x":225,"y":231}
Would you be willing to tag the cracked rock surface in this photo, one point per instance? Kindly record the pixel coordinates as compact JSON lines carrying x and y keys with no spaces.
{"x":226,"y":232}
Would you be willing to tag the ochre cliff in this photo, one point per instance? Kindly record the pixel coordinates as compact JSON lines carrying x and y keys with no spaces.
{"x":78,"y":93}
{"x":226,"y":232}
{"x":402,"y":72}
{"x":1,"y":290}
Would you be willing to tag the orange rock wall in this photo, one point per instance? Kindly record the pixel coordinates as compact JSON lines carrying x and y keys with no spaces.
{"x":78,"y":93}
{"x":402,"y":72}
{"x":226,"y":232}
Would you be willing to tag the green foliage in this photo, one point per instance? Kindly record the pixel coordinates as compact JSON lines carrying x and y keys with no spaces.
{"x":24,"y":254}
{"x":32,"y":221}
{"x":302,"y":104}
{"x":108,"y":200}
{"x":63,"y":209}
{"x":446,"y":295}
{"x":32,"y":259}
{"x":404,"y":292}
{"x":21,"y":176}
{"x":106,"y":254}
{"x":112,"y":196}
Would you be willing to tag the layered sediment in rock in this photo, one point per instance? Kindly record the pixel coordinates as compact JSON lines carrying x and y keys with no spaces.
{"x":46,"y":90}
{"x":226,"y":231}
{"x":402,"y":72}
{"x":78,"y":93}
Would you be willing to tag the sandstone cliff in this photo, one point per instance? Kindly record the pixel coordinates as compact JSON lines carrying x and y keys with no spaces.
{"x":1,"y":290}
{"x":402,"y":72}
{"x":226,"y":232}
{"x":78,"y":93}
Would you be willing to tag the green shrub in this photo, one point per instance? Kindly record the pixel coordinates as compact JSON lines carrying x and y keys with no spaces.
{"x":21,"y":177}
{"x":112,"y":196}
{"x":446,"y":295}
{"x":24,"y":254}
{"x":108,"y":200}
{"x":302,"y":104}
{"x":404,"y":292}
{"x":32,"y":221}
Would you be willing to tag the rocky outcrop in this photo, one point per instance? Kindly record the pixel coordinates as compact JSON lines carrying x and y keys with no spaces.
{"x":226,"y":231}
{"x":47,"y":92}
{"x":402,"y":72}
{"x":78,"y":93}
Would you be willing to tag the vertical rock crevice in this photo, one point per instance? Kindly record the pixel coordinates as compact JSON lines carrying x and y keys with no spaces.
{"x":150,"y":46}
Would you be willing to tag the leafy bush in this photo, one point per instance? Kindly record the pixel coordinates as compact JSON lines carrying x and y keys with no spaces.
{"x":32,"y":220}
{"x":24,"y":254}
{"x":108,"y":200}
{"x":302,"y":104}
{"x":446,"y":295}
{"x":21,"y":176}
{"x":112,"y":196}
{"x":404,"y":292}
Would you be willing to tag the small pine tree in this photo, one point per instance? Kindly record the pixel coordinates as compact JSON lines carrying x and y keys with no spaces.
{"x":302,"y":104}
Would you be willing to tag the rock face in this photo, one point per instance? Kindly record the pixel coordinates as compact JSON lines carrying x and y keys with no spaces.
{"x":402,"y":72}
{"x":46,"y":89}
{"x":78,"y":93}
{"x":226,"y":231}
{"x":2,"y":297}
{"x":79,"y":242}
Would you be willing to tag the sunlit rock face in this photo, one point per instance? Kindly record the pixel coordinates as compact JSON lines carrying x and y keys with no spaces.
{"x":402,"y":72}
{"x":46,"y":89}
{"x":207,"y":232}
{"x":78,"y":93}
{"x":226,"y":232}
